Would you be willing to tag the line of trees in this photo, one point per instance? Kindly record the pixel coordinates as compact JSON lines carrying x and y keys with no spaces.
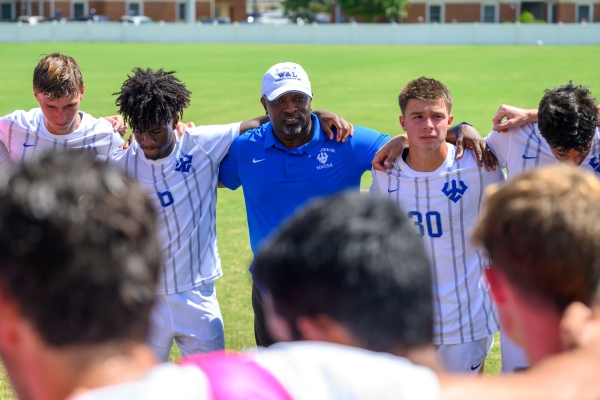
{"x":369,"y":10}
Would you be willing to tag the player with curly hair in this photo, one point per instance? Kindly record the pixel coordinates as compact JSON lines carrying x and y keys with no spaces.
{"x":566,"y":130}
{"x":181,"y":176}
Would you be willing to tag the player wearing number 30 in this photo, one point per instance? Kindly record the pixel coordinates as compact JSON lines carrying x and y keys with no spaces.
{"x":443,"y":197}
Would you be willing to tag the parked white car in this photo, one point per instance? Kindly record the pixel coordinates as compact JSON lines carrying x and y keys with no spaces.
{"x":272,"y":17}
{"x":31,"y":19}
{"x":136,"y":19}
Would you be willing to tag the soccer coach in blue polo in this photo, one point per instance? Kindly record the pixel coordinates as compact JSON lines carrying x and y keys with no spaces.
{"x":285,"y":163}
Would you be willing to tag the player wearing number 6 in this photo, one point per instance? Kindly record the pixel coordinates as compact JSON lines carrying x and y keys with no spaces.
{"x":443,"y":196}
{"x":180,"y":176}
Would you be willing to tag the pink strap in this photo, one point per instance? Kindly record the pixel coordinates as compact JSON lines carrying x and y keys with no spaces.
{"x":237,"y":376}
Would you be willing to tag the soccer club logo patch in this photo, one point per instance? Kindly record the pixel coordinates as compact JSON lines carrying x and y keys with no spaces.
{"x":453,"y":191}
{"x":323,"y":158}
{"x":184,"y":164}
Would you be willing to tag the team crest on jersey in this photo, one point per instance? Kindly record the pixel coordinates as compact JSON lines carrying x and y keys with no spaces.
{"x":323,"y":157}
{"x":454,"y":192}
{"x":184,"y":164}
{"x":595,"y":163}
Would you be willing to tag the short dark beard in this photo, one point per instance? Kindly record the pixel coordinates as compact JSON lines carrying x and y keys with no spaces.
{"x":292,"y":130}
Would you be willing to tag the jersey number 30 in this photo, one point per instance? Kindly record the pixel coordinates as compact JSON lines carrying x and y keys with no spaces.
{"x":433,"y":220}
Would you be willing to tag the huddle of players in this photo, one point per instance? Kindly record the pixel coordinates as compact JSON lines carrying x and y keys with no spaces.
{"x":350,"y":289}
{"x":444,"y":197}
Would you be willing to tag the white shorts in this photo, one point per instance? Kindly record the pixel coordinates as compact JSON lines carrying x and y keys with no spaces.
{"x":513,"y":355}
{"x":191,"y":318}
{"x":465,"y":358}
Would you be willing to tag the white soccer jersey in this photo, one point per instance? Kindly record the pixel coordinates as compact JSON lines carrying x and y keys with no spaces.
{"x":23,"y":134}
{"x":316,"y":370}
{"x":444,"y":205}
{"x":524,"y":148}
{"x":165,"y":381}
{"x":183,"y":187}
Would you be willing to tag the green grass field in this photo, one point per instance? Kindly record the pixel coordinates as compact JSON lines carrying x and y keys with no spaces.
{"x":359,"y":82}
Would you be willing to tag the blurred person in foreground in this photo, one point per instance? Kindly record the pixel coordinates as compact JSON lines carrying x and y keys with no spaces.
{"x":79,"y":263}
{"x":541,"y":234}
{"x":349,"y":297}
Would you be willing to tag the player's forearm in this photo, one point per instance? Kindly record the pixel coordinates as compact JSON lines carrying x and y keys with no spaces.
{"x":531,"y":115}
{"x":253,"y":123}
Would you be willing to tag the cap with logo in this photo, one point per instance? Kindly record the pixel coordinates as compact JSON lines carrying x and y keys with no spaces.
{"x":283,"y":78}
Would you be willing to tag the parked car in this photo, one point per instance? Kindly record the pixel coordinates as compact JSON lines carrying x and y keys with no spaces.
{"x":215,"y":21}
{"x":268,"y":17}
{"x":135,"y":19}
{"x":31,"y":19}
{"x":252,"y":17}
{"x":96,"y":19}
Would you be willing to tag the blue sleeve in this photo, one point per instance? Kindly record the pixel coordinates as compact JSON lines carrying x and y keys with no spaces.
{"x":228,"y":169}
{"x":365,"y":144}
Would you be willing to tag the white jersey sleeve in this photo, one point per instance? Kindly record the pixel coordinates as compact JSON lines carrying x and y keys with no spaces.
{"x":524,"y":148}
{"x":183,"y":189}
{"x":5,"y":129}
{"x":444,"y":205}
{"x":215,"y":140}
{"x":499,"y":143}
{"x":165,"y":381}
{"x":4,"y":157}
{"x":327,"y":371}
{"x":24,"y":135}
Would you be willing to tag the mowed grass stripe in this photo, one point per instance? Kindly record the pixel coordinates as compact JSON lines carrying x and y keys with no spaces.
{"x":359,"y":82}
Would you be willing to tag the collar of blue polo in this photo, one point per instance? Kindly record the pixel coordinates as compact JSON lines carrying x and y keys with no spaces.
{"x":311,"y":148}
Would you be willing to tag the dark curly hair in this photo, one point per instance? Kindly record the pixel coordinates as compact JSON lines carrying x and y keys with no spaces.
{"x":567,"y":118}
{"x":361,"y":264}
{"x":149,"y":97}
{"x":78,"y":249}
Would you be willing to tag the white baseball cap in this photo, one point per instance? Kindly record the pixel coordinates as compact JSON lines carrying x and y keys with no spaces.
{"x":285,"y":77}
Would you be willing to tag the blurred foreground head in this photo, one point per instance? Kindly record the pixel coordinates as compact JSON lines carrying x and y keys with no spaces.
{"x":542,"y":234}
{"x":78,"y":253}
{"x":353,"y":260}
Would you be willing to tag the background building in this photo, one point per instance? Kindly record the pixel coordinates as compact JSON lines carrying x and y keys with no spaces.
{"x":165,"y":10}
{"x":449,"y":11}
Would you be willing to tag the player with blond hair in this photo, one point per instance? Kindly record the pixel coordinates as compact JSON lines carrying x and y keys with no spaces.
{"x":58,"y":123}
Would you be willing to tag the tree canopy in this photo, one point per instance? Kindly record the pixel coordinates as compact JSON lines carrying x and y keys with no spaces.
{"x":369,"y":10}
{"x":372,"y":10}
{"x":306,"y":8}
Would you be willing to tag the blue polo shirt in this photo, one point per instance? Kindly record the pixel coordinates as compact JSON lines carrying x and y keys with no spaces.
{"x":277,"y":180}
